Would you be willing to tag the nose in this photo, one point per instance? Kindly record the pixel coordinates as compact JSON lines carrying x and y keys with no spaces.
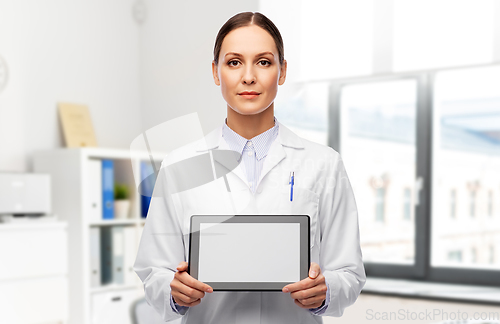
{"x":249,"y":76}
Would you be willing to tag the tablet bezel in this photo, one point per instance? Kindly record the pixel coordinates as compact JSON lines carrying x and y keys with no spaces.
{"x":194,"y":244}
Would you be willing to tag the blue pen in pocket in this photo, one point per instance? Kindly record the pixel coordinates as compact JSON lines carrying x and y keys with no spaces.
{"x":291,"y":185}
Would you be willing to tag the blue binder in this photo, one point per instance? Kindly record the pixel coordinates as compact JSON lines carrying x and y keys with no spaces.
{"x":108,"y":190}
{"x":148,"y":180}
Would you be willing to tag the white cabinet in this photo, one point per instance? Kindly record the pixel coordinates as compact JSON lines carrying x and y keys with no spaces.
{"x":108,"y":306}
{"x":74,"y":201}
{"x":33,"y":275}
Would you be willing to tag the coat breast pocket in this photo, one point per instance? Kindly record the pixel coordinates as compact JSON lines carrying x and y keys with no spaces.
{"x":303,"y":202}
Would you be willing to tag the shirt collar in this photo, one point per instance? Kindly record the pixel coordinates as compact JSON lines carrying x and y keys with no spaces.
{"x":261,"y":142}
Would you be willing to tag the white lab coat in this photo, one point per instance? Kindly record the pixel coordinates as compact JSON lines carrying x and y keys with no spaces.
{"x":321,"y":190}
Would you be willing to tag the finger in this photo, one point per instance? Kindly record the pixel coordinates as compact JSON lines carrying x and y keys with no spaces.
{"x":308,"y":293}
{"x":186,"y":279}
{"x":189,"y":292}
{"x":300,"y":285}
{"x":314,"y":270}
{"x":192,"y":304}
{"x":181,"y":298}
{"x":316,"y":305}
{"x":312,"y":301}
{"x":184,"y":300}
{"x":182,"y":266}
{"x":312,"y":298}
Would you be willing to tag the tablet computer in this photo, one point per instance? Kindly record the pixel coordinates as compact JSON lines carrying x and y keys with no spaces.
{"x":249,"y":252}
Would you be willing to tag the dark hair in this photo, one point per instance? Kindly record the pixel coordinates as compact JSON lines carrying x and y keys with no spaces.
{"x":246,"y":19}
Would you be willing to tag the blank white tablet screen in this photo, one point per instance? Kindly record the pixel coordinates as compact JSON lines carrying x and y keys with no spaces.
{"x":249,"y":252}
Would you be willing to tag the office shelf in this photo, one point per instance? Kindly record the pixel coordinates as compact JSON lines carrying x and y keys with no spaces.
{"x":110,"y":222}
{"x":111,"y":287}
{"x":71,"y":200}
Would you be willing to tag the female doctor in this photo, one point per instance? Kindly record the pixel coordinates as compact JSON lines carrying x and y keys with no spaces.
{"x":249,"y":66}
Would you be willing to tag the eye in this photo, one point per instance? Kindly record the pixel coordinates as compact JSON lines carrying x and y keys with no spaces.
{"x":268,"y":63}
{"x":233,"y":61}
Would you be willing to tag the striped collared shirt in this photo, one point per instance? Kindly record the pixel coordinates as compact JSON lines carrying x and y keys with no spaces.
{"x":253,"y":151}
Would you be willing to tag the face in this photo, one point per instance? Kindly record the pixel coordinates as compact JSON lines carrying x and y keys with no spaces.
{"x":249,"y":61}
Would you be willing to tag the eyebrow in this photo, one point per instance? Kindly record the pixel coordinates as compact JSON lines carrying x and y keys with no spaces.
{"x":238,"y":54}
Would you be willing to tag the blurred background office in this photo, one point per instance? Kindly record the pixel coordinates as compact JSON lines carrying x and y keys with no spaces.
{"x":408,"y":91}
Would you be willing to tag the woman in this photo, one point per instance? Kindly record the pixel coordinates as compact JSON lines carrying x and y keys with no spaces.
{"x":249,"y":66}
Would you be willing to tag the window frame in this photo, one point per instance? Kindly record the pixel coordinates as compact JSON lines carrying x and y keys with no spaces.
{"x":421,"y":269}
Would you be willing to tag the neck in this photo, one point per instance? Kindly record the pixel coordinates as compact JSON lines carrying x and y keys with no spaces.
{"x":250,"y":126}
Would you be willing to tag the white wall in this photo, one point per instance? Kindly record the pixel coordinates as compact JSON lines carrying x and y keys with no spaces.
{"x":80,"y":51}
{"x":177,"y":41}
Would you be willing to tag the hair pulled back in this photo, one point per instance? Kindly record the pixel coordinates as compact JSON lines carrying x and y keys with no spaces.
{"x":246,"y":19}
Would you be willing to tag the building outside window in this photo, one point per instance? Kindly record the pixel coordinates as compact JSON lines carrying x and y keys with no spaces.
{"x":455,"y":256}
{"x":472,"y":203}
{"x":490,"y":203}
{"x":376,"y":136}
{"x":407,"y":204}
{"x":466,"y":158}
{"x":453,"y":203}
{"x":380,"y":204}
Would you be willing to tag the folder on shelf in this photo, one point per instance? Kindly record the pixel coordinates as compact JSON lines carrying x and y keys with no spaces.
{"x":118,"y":251}
{"x":148,"y":179}
{"x":106,"y":255}
{"x":129,"y":254}
{"x":95,"y":190}
{"x":108,"y":189}
{"x":95,"y":256}
{"x":112,"y":254}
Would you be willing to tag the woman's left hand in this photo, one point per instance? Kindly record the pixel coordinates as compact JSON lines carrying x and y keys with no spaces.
{"x":309,"y":292}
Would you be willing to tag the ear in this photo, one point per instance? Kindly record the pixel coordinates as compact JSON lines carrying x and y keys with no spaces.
{"x":282,"y":73}
{"x":215,"y":73}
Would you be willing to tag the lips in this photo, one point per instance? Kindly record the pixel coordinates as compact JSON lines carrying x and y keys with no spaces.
{"x":248,"y":93}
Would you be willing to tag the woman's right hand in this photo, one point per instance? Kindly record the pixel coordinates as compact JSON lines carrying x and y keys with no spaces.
{"x":185,"y":290}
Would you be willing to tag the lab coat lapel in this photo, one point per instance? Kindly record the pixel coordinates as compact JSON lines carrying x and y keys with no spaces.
{"x":229,"y":164}
{"x":277,"y":152}
{"x":214,"y":140}
{"x":275,"y":155}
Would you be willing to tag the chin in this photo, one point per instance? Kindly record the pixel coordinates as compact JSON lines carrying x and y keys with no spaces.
{"x":249,"y":111}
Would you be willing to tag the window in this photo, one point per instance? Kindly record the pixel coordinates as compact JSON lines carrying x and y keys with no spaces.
{"x":490,"y":203}
{"x":492,"y":254}
{"x":455,"y":256}
{"x":466,"y":155}
{"x":453,"y":203}
{"x":376,"y":137}
{"x":472,"y":203}
{"x":380,"y":204}
{"x":304,"y":109}
{"x":439,"y":132}
{"x":407,"y":204}
{"x":473,"y":255}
